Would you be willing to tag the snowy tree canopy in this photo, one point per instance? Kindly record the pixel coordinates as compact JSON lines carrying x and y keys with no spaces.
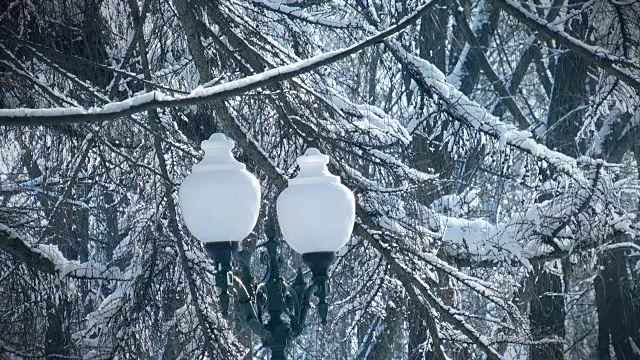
{"x":492,"y":146}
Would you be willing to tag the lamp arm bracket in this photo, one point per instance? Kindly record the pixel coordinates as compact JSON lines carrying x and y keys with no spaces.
{"x":294,"y":314}
{"x":249,"y":310}
{"x":305,"y":305}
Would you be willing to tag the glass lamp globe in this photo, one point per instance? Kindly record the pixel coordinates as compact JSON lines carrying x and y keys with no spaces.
{"x":316,"y":212}
{"x":220,"y":199}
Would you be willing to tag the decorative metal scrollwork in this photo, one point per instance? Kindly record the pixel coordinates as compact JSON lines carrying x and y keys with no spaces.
{"x":276,"y":311}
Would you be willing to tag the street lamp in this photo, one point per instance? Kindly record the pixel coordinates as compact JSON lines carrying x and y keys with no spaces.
{"x":220,"y":203}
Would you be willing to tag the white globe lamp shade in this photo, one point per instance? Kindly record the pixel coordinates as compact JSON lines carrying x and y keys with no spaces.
{"x":316,"y":212}
{"x":220,"y":199}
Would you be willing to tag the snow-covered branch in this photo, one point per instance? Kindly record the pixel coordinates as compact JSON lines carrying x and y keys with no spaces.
{"x":158,"y":100}
{"x":300,"y":14}
{"x":472,"y":114}
{"x":598,"y":56}
{"x":48,"y":259}
{"x":14,"y":245}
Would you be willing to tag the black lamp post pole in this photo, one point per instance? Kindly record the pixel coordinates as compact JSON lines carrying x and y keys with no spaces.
{"x":273,"y":296}
{"x":285,"y":306}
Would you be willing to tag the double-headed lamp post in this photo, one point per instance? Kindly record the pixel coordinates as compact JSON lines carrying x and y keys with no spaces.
{"x":220,"y":203}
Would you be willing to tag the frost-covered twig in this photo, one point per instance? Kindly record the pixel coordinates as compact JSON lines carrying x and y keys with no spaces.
{"x":18,"y":69}
{"x":471,"y":114}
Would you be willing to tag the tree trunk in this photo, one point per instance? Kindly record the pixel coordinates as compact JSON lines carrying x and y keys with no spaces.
{"x":563,"y":123}
{"x":484,"y":33}
{"x":418,"y":330}
{"x":547,"y":316}
{"x":618,"y":313}
{"x":433,"y":35}
{"x":384,"y":343}
{"x":57,"y":341}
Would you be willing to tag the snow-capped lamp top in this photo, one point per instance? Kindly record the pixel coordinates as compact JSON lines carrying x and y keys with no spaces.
{"x":218,"y":154}
{"x":316,"y":212}
{"x":220,"y":199}
{"x":313,"y":169}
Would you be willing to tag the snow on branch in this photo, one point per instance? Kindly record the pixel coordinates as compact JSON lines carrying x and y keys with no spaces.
{"x":623,"y":245}
{"x":600,"y":57}
{"x":449,"y":314}
{"x":296,"y":13}
{"x":48,"y":259}
{"x":472,"y":114}
{"x":14,"y":245}
{"x":158,"y":100}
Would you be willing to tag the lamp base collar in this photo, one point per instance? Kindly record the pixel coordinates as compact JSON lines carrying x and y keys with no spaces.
{"x":319,"y":262}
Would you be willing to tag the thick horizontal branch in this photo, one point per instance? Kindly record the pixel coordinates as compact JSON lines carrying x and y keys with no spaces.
{"x":623,"y":245}
{"x":49,"y":260}
{"x":596,"y":55}
{"x":159,"y":100}
{"x":16,"y":247}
